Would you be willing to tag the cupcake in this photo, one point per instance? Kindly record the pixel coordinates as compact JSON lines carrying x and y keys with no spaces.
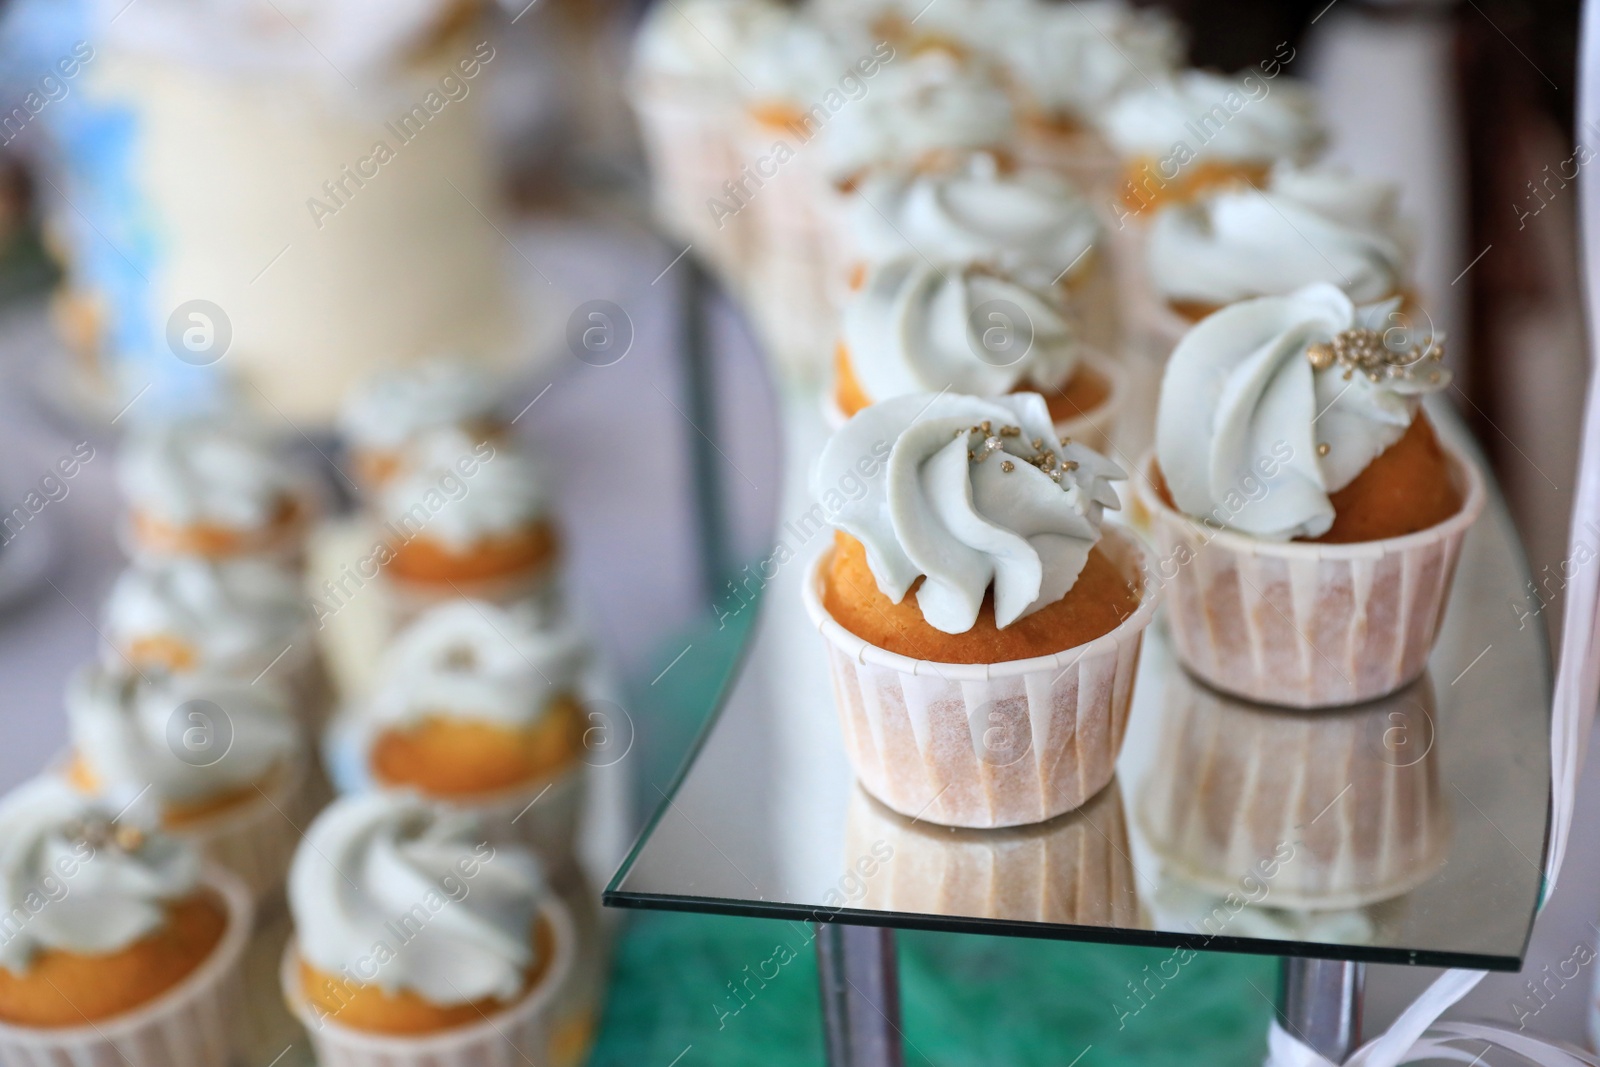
{"x":1345,"y":806}
{"x":420,"y":944}
{"x":1196,"y":130}
{"x":379,"y":419}
{"x":982,"y":626}
{"x":239,"y":618}
{"x":208,"y":486}
{"x":1307,"y":225}
{"x":1072,"y":870}
{"x":917,"y":327}
{"x":121,"y":947}
{"x":217,"y":762}
{"x":465,"y":517}
{"x":476,"y":707}
{"x":1307,"y":517}
{"x":1028,"y":224}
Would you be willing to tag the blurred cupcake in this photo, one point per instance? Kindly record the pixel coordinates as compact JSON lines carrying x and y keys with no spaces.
{"x":125,"y":949}
{"x":240,"y":618}
{"x":1307,"y":225}
{"x":465,"y":517}
{"x":420,"y":944}
{"x":1028,"y":224}
{"x":221,"y":763}
{"x":388,"y":412}
{"x":476,"y":707}
{"x":1328,"y":812}
{"x":997,"y":695}
{"x":917,"y":327}
{"x":1071,"y":870}
{"x":1307,"y":517}
{"x":208,"y":486}
{"x":1197,"y":130}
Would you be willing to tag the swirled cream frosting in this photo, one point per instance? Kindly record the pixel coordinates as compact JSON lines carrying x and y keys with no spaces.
{"x":458,"y":490}
{"x":918,"y":327}
{"x":392,"y":893}
{"x":184,"y":738}
{"x":1030,"y":224}
{"x":1259,"y":420}
{"x":976,"y":493}
{"x":1313,"y":225}
{"x":75,"y":878}
{"x":1245,"y":119}
{"x":218,"y":617}
{"x":207,"y":469}
{"x":397,"y":406}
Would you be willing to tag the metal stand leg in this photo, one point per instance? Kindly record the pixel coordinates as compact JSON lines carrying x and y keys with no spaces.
{"x":1320,"y":1003}
{"x":860,"y":995}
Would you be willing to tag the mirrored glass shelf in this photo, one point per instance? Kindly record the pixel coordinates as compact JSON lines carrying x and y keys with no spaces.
{"x":1408,"y":830}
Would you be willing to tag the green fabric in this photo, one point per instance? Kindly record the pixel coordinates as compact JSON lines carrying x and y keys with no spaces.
{"x":966,"y":1000}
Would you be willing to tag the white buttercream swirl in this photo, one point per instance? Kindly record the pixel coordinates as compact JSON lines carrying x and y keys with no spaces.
{"x":463,"y":490}
{"x":1030,"y":225}
{"x":207,"y":470}
{"x":454,"y":915}
{"x":232,"y":615}
{"x":919,"y":328}
{"x":186,"y":737}
{"x":1242,"y":412}
{"x":916,"y":105}
{"x":473,"y":660}
{"x":395,"y":407}
{"x":1245,"y":118}
{"x":792,"y":59}
{"x":67,"y":884}
{"x":1312,"y":225}
{"x":966,"y":524}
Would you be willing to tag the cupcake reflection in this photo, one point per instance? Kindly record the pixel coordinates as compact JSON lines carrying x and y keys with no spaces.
{"x":1073,"y":869}
{"x":1324,"y":811}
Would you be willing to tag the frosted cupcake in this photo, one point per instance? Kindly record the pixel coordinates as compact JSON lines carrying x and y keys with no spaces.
{"x":210,"y":487}
{"x":1028,"y":224}
{"x":916,"y":327}
{"x":982,"y":625}
{"x":388,"y":412}
{"x":1307,"y":517}
{"x":420,"y":943}
{"x":219,"y":763}
{"x":1307,"y":225}
{"x":478,"y":708}
{"x":243,"y":619}
{"x":1196,"y":131}
{"x":1074,"y":869}
{"x":465,"y":517}
{"x":1347,"y":803}
{"x":120,"y":947}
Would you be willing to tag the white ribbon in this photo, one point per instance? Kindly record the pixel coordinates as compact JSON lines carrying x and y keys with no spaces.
{"x":1416,"y":1034}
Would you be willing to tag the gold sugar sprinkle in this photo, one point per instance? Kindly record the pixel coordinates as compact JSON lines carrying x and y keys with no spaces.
{"x":1323,"y":449}
{"x":129,"y":838}
{"x":1011,"y":431}
{"x":1363,"y":350}
{"x":1008,"y":466}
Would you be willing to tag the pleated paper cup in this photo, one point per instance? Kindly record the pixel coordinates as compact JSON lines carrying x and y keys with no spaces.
{"x":981,"y":745}
{"x":1074,"y":869}
{"x":687,"y":136}
{"x":543,"y":815}
{"x":1301,"y":624}
{"x":530,"y":1031}
{"x":1330,"y":811}
{"x":189,"y":1025}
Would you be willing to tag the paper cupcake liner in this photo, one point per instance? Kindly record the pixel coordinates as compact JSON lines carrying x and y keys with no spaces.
{"x":1344,"y":808}
{"x":1081,"y":156}
{"x":1074,"y":869}
{"x":983,"y":745}
{"x":533,"y":1030}
{"x":1301,"y":624}
{"x":189,"y":1025}
{"x":256,"y":838}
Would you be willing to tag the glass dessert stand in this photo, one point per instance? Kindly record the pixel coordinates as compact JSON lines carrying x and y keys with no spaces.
{"x":1409,"y":830}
